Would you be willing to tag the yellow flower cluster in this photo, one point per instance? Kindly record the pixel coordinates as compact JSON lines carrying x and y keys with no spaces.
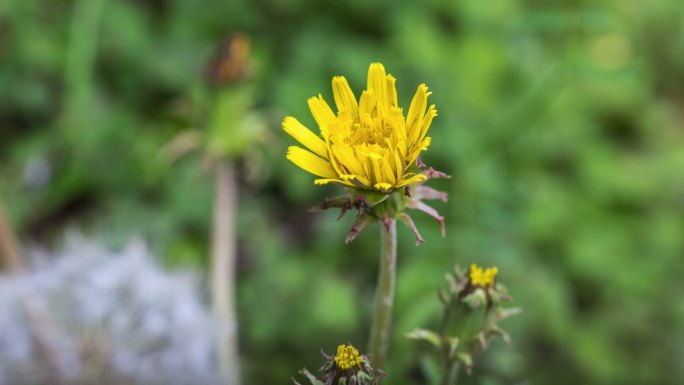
{"x":368,"y":144}
{"x":347,"y":357}
{"x":482,"y":277}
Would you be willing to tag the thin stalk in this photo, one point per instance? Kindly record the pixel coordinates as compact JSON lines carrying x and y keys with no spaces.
{"x":223,"y":261}
{"x":81,"y":57}
{"x":451,"y":372}
{"x":384,"y":297}
{"x":451,"y":366}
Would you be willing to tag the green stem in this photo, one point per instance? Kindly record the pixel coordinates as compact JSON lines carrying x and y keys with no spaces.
{"x":451,"y":365}
{"x":384,"y":297}
{"x":81,"y":57}
{"x":451,"y":373}
{"x":223,"y":264}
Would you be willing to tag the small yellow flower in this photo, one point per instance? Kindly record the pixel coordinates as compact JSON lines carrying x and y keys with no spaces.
{"x":482,"y":277}
{"x":368,"y":144}
{"x":347,"y":357}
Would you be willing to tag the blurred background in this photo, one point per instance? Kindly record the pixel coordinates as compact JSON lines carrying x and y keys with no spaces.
{"x":561,"y":123}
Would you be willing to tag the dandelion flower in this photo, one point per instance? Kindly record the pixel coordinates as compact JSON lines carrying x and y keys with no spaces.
{"x":369,"y":144}
{"x":372,"y":148}
{"x":347,"y":366}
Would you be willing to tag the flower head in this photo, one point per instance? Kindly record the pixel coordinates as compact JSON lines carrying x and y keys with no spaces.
{"x":347,"y":357}
{"x":482,"y":277}
{"x":373,"y":149}
{"x":474,"y":305}
{"x":368,"y":144}
{"x":345,"y":368}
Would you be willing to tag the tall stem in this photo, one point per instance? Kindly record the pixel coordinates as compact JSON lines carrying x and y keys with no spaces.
{"x":384,"y":297}
{"x":452,"y":366}
{"x":451,"y":372}
{"x":223,"y":261}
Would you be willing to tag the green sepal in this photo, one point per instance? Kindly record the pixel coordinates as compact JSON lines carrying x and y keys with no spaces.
{"x":466,"y":359}
{"x":363,"y":378}
{"x":360,"y":223}
{"x":372,"y":198}
{"x":476,"y":299}
{"x":425,"y":335}
{"x":443,"y":297}
{"x":311,"y":377}
{"x":495,"y":330}
{"x":452,"y":344}
{"x":504,"y":313}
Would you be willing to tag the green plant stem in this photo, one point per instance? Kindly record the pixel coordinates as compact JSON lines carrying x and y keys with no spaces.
{"x":81,"y":57}
{"x":451,"y":372}
{"x":451,"y":365}
{"x":223,"y":261}
{"x":384,"y":297}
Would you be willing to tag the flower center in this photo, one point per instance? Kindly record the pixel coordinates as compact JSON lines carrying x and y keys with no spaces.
{"x":374,"y":132}
{"x":482,"y":277}
{"x":347,"y":357}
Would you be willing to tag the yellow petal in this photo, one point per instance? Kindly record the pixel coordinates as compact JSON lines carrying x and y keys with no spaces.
{"x":399,"y":165}
{"x":336,"y":164}
{"x":413,"y":179}
{"x":374,"y":168}
{"x":357,"y":181}
{"x":427,"y":121}
{"x":417,"y":149}
{"x":322,"y":113}
{"x":415,"y":113}
{"x":377,"y":78}
{"x":321,"y":182}
{"x":392,"y":90}
{"x":310,"y":162}
{"x":384,"y":187}
{"x":304,"y":136}
{"x":377,"y":82}
{"x":387,"y":170}
{"x":344,"y":97}
{"x":367,"y":102}
{"x":345,"y":154}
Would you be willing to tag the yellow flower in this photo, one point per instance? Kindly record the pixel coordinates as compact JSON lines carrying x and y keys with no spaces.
{"x":347,"y":357}
{"x":482,"y":277}
{"x":368,"y":144}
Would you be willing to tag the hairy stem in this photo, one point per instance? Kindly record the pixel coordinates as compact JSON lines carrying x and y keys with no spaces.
{"x":384,"y":297}
{"x":223,"y":261}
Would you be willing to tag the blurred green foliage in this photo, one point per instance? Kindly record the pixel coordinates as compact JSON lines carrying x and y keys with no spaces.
{"x":561,"y":123}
